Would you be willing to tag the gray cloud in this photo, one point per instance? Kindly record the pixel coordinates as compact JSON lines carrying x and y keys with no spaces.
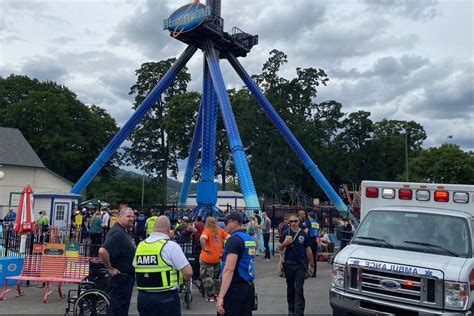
{"x":449,"y":95}
{"x":119,"y":83}
{"x":144,"y":29}
{"x":408,"y":79}
{"x":461,"y":131}
{"x":421,"y":10}
{"x":45,"y":69}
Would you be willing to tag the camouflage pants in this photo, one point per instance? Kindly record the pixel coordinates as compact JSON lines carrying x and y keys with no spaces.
{"x":210,"y":277}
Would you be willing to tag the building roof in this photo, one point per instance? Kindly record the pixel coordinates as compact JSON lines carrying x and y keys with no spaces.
{"x":15,"y":149}
{"x":57,"y":194}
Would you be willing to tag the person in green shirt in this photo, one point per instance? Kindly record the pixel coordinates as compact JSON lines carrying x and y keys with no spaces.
{"x":150,"y":222}
{"x":95,"y":233}
{"x":43,"y":222}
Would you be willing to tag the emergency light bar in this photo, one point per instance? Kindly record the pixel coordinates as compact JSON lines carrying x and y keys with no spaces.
{"x":421,"y":195}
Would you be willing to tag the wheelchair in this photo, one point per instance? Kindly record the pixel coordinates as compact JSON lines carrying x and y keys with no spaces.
{"x":191,"y":250}
{"x":91,"y":297}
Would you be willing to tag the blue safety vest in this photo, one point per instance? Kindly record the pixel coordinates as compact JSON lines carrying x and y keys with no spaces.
{"x":314,"y":229}
{"x":246,"y":264}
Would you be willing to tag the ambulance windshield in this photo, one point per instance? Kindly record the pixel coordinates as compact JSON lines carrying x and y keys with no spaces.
{"x":421,"y":232}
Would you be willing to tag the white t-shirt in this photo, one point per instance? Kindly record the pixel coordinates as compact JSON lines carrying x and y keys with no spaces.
{"x":105,"y":220}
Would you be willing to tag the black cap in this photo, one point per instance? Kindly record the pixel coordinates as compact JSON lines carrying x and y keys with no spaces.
{"x":235,"y":216}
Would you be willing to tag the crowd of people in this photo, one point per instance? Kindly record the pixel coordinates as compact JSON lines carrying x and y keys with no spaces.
{"x":147,"y":251}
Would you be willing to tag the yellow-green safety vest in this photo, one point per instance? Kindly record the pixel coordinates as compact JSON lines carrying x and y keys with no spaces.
{"x":151,"y":271}
{"x":150,"y":223}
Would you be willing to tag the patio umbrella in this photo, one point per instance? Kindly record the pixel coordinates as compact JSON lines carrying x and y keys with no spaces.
{"x":24,"y":218}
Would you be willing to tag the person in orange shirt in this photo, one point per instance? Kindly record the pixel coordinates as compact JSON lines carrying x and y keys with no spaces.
{"x":212,"y":243}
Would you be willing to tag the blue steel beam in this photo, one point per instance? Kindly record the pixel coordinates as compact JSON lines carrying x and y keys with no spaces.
{"x":235,"y":143}
{"x":291,"y":139}
{"x":209,"y":126}
{"x":193,"y":151}
{"x":128,"y":127}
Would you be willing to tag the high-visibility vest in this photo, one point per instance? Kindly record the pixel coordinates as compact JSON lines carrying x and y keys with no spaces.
{"x":245,"y":265}
{"x":151,"y":271}
{"x":150,"y":223}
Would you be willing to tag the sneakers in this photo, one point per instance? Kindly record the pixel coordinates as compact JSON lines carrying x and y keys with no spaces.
{"x":210,"y":298}
{"x":266,"y":259}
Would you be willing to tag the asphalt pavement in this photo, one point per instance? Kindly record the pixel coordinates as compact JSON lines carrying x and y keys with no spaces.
{"x":271,"y":290}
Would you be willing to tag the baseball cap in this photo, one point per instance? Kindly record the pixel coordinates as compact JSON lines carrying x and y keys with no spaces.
{"x":235,"y":216}
{"x":185,"y":218}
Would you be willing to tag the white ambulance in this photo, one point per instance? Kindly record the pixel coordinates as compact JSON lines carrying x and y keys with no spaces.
{"x":412,"y":254}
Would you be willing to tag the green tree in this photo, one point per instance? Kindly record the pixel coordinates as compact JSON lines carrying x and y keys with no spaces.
{"x":354,"y":162}
{"x":66,"y":134}
{"x":157,"y":141}
{"x":273,"y":164}
{"x":391,"y":140}
{"x":445,"y":164}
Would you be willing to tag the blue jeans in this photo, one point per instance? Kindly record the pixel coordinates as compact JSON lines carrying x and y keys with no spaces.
{"x":120,"y":293}
{"x":164,"y":303}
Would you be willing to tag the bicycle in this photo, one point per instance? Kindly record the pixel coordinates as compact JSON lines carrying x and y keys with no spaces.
{"x":90,"y":298}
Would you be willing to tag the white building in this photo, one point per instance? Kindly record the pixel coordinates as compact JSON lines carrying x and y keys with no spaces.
{"x":224,"y":198}
{"x":21,"y":166}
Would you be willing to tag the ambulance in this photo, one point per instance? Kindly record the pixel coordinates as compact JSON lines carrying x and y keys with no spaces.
{"x":412,"y":254}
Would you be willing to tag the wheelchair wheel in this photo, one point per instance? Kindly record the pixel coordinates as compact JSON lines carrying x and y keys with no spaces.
{"x":92,"y":302}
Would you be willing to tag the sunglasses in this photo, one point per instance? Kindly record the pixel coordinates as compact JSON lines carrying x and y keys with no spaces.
{"x":294,"y":221}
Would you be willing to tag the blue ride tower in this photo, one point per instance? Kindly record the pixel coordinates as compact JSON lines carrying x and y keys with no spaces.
{"x":201,"y":26}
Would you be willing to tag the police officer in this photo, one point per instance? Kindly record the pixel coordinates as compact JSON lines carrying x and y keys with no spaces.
{"x":298,"y":260}
{"x":238,"y":270}
{"x":159,"y":266}
{"x":313,"y":234}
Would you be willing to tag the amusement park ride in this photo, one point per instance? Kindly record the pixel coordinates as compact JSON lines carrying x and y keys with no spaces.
{"x":202,"y":27}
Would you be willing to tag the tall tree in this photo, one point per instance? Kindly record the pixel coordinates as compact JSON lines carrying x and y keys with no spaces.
{"x":392,"y":141}
{"x":445,"y":164}
{"x":153,"y":147}
{"x":354,"y":160}
{"x":66,"y":134}
{"x":273,"y":164}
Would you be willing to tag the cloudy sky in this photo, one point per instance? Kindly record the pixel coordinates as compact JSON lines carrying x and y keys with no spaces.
{"x":398,"y":59}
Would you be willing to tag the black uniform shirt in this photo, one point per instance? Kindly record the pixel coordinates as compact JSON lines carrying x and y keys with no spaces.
{"x":121,"y":249}
{"x":296,"y":252}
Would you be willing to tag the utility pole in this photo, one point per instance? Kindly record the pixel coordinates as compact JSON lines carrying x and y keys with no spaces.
{"x":406,"y":155}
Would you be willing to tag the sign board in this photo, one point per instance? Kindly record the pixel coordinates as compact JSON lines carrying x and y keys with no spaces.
{"x":72,"y":248}
{"x":10,"y":266}
{"x":187,"y":18}
{"x":38,"y":248}
{"x":54,"y":249}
